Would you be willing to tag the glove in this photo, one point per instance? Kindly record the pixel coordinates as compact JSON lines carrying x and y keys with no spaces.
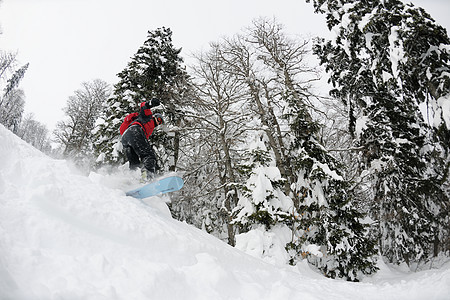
{"x":152,"y":103}
{"x":155,"y":102}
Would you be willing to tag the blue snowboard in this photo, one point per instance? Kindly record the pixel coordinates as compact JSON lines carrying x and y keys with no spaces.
{"x":157,"y":187}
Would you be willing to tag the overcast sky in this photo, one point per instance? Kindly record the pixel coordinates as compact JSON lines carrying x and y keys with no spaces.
{"x":68,"y":42}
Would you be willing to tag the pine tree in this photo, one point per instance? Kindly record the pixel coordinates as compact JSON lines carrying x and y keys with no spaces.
{"x":154,"y":71}
{"x":329,"y":229}
{"x":11,"y":109}
{"x":12,"y":98}
{"x":263,"y":208}
{"x":263,"y":200}
{"x":389,"y":64}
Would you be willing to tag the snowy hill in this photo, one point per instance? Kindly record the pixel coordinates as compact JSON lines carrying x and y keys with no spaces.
{"x":67,"y":236}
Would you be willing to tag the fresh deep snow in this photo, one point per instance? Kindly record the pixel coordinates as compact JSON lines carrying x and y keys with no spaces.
{"x":64,"y":235}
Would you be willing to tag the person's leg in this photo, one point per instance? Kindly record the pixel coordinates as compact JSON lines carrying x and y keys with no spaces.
{"x":142,"y":148}
{"x":150,"y":162}
{"x":127,"y":141}
{"x":133,"y":158}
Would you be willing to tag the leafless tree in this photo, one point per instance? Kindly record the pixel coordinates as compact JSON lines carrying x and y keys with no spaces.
{"x":218,"y":126}
{"x":35,"y":133}
{"x":75,"y":134}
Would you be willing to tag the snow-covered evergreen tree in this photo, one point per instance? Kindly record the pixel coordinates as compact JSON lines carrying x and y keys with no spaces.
{"x":389,"y":64}
{"x":263,"y":200}
{"x":329,"y":230}
{"x":11,"y":109}
{"x":12,"y":100}
{"x":154,"y":71}
{"x":263,"y":209}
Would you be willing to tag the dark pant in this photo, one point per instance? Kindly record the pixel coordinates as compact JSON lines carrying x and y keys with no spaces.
{"x":138,"y":149}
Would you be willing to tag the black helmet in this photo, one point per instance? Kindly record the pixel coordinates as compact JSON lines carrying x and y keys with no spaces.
{"x":158,"y":119}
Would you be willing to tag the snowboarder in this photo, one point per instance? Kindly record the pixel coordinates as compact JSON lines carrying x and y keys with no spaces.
{"x":135,"y":130}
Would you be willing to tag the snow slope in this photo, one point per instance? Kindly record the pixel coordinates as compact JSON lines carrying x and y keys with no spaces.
{"x":68,"y":236}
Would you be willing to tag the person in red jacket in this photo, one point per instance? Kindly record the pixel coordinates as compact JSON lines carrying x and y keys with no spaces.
{"x":135,"y":130}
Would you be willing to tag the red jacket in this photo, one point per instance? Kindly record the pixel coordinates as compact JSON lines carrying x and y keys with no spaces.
{"x":144,"y":119}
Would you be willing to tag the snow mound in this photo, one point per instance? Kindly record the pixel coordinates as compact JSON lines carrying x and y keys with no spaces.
{"x":64,"y":235}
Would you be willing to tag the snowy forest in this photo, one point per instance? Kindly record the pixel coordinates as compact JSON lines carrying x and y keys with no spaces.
{"x":339,"y":163}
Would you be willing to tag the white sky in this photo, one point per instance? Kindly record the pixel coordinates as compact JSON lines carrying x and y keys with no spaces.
{"x":68,"y":42}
